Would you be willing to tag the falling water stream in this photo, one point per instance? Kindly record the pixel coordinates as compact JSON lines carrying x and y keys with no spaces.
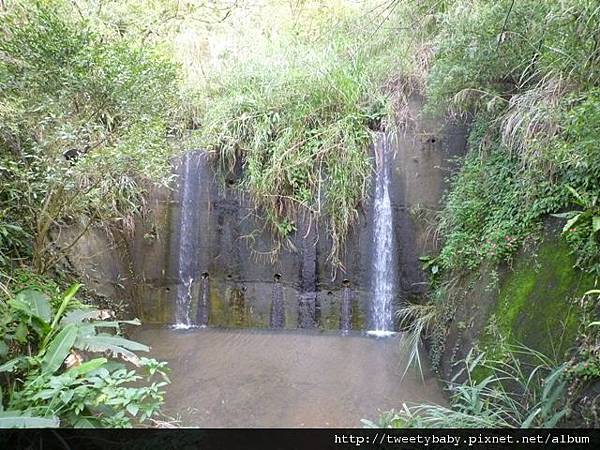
{"x":186,"y":263}
{"x":383,"y":245}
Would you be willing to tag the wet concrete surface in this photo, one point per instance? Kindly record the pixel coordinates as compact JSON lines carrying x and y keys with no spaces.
{"x":283,"y":378}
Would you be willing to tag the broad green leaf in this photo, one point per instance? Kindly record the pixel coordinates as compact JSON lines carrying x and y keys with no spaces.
{"x":595,"y":224}
{"x":86,"y":422}
{"x":89,"y":366}
{"x":565,"y":215}
{"x":571,"y":222}
{"x":38,"y":303}
{"x":18,"y":419}
{"x":116,"y":323}
{"x":72,"y":291}
{"x":117,"y":345}
{"x":59,"y":348}
{"x":579,"y":199}
{"x":40,"y":326}
{"x":80,"y":315}
{"x":65,"y":302}
{"x":102,"y":339}
{"x":3,"y":349}
{"x":66,"y":395}
{"x":132,"y":409}
{"x":21,"y":333}
{"x":11,"y":365}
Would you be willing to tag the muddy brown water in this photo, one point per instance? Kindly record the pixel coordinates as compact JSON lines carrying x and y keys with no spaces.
{"x":280,"y":378}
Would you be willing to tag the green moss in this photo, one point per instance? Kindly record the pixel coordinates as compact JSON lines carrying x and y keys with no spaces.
{"x":358,"y":318}
{"x":233,"y":311}
{"x":535,"y":305}
{"x":155,"y":305}
{"x":216,"y":312}
{"x":238,"y":310}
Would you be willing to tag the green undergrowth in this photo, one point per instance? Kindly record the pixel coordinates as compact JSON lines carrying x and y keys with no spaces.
{"x":85,"y":121}
{"x":498,"y":200}
{"x":525,"y":389}
{"x":527,"y":75}
{"x":65,"y":363}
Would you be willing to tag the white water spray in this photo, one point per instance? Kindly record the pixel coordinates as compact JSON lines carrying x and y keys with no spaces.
{"x":186,"y":255}
{"x":383,"y":246}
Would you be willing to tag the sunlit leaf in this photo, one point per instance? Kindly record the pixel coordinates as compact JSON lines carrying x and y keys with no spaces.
{"x":18,"y":419}
{"x":59,"y":349}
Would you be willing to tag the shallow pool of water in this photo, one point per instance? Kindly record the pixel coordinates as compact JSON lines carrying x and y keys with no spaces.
{"x":278,"y":378}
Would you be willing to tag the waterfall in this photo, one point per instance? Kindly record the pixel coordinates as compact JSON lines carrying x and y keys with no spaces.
{"x":383,"y":245}
{"x":188,"y":231}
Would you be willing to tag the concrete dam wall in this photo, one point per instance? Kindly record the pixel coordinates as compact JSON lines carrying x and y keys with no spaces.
{"x":201,"y":256}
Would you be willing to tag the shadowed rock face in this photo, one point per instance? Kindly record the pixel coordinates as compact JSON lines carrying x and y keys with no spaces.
{"x":232,"y":268}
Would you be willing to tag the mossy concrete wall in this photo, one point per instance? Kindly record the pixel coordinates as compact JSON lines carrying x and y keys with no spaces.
{"x":533,"y":301}
{"x":232,"y":246}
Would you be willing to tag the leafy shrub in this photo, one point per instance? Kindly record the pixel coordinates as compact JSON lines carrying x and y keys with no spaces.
{"x":46,"y":352}
{"x":83,"y":119}
{"x":493,"y":205}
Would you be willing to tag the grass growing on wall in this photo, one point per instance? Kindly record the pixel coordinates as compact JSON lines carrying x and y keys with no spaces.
{"x":298,"y":118}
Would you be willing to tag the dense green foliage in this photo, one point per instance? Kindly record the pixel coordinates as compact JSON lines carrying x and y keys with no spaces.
{"x":83,"y":119}
{"x":45,"y":353}
{"x":513,"y":395}
{"x":527,"y":75}
{"x":530,"y":73}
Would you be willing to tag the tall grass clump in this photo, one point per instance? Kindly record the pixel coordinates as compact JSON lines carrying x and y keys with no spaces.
{"x":298,"y":118}
{"x":524,"y":389}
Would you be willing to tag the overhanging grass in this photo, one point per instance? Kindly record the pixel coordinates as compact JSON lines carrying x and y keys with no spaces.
{"x":300,"y":121}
